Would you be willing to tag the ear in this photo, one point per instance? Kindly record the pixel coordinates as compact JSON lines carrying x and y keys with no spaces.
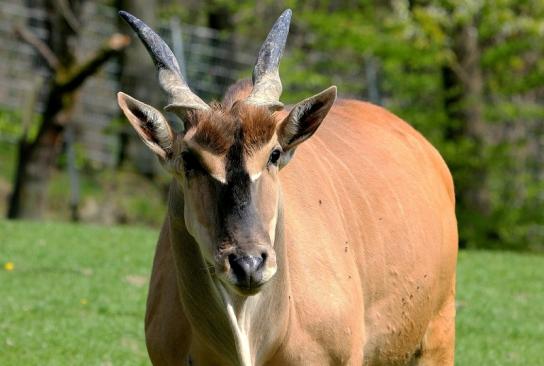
{"x":304,"y":119}
{"x":149,"y":123}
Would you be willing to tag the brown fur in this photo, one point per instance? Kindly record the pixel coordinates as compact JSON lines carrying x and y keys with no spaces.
{"x":215,"y":130}
{"x":258,"y":125}
{"x":375,"y":285}
{"x":363,"y":244}
{"x":237,"y":91}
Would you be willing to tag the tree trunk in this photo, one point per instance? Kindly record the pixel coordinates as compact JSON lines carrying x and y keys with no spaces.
{"x":36,"y":162}
{"x":463,"y":85}
{"x":37,"y":159}
{"x":476,"y":195}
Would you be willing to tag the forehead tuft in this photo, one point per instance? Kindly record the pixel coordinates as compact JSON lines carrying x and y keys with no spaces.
{"x":218,"y":129}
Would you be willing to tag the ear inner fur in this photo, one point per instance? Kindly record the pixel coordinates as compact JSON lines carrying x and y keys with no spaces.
{"x":149,"y":123}
{"x":305,"y":118}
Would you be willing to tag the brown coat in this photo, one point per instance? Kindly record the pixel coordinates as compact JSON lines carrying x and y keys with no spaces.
{"x":366,"y":247}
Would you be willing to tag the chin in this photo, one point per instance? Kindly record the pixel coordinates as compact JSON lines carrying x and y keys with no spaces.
{"x":234,"y":288}
{"x":247,"y":291}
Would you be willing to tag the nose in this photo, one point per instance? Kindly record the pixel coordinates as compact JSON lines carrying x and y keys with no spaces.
{"x":247,"y":269}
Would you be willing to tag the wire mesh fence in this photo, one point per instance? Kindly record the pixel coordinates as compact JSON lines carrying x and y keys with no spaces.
{"x":210,"y":61}
{"x":24,"y":75}
{"x":20,"y":69}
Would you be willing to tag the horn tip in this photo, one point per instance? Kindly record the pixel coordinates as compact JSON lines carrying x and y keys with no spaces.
{"x":129,"y":18}
{"x":285,"y":17}
{"x":123,"y":14}
{"x":287,"y":12}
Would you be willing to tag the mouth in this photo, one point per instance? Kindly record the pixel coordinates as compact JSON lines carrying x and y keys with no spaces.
{"x":248,"y":290}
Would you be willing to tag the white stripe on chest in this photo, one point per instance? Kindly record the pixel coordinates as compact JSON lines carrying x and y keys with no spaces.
{"x":240,"y":326}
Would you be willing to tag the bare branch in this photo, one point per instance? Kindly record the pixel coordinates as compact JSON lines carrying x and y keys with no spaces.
{"x":43,"y":49}
{"x":459,"y":71}
{"x":64,"y":9}
{"x":75,"y":77}
{"x":457,"y":68}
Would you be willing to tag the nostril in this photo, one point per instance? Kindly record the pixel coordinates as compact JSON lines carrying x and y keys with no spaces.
{"x":262,"y":260}
{"x":232,"y":258}
{"x":242,"y":268}
{"x":236,"y":266}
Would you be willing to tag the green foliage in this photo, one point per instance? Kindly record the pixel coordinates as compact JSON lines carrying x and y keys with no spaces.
{"x":413,"y":44}
{"x":11,"y":127}
{"x":76,"y":295}
{"x":7,"y":161}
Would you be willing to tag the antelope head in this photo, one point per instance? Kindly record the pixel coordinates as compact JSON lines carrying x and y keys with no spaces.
{"x":226,"y":162}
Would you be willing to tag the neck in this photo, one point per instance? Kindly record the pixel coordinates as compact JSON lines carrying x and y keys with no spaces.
{"x":242,"y":327}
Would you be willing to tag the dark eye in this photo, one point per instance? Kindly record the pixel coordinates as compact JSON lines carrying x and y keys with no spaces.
{"x":275,"y":156}
{"x":190,"y":162}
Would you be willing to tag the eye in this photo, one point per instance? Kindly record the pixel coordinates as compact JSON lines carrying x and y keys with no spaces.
{"x":274,"y":157}
{"x":190,"y":162}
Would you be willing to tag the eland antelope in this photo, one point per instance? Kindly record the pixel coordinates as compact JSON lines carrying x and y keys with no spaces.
{"x":342,"y":253}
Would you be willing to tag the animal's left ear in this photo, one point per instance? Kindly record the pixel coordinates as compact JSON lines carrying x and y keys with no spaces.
{"x":304,"y":119}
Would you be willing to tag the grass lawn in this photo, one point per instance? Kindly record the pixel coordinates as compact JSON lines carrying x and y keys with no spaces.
{"x":500,"y":314}
{"x":76,"y":295}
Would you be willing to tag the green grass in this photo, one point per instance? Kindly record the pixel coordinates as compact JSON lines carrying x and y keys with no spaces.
{"x":76,"y":296}
{"x":500,"y":315}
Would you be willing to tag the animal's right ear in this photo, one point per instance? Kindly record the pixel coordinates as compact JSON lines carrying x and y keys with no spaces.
{"x":149,"y":123}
